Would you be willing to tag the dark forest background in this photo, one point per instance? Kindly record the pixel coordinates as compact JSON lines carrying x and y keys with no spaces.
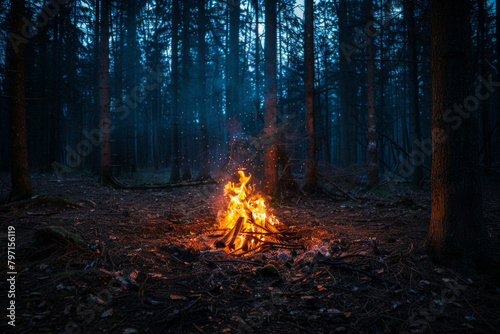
{"x":218,"y":81}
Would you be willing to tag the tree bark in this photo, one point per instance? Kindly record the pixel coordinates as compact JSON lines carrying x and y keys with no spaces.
{"x":106,"y":172}
{"x":175,"y":175}
{"x":258,"y":116}
{"x":456,"y":232}
{"x":270,"y":150}
{"x":496,"y":135}
{"x":156,"y":118}
{"x":131,"y":62}
{"x":327,"y":129}
{"x":233,"y":60}
{"x":204,"y":172}
{"x":372,"y":125}
{"x":21,"y":183}
{"x":95,"y":158}
{"x":311,"y":177}
{"x":55,"y":93}
{"x":413,"y":91}
{"x":345,"y":64}
{"x":485,"y":119}
{"x":186,"y":92}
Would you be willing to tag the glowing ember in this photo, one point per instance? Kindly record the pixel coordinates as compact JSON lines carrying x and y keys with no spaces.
{"x":251,"y":227}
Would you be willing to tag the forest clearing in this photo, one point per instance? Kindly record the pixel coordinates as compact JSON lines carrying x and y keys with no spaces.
{"x":250,"y":166}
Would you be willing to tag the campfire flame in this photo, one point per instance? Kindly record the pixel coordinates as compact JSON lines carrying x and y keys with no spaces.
{"x":250,"y":227}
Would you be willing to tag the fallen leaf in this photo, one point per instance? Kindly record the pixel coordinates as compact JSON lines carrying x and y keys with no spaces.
{"x":155,"y":275}
{"x":177,"y":297}
{"x":97,"y":300}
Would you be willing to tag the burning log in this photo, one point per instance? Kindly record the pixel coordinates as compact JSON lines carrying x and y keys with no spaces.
{"x":229,"y":239}
{"x":250,"y":227}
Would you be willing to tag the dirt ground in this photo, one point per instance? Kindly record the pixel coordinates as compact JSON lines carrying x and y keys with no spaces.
{"x":93,"y":259}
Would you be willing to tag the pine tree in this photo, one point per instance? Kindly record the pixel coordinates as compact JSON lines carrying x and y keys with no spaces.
{"x":457,"y":231}
{"x":21,"y":183}
{"x":270,"y":102}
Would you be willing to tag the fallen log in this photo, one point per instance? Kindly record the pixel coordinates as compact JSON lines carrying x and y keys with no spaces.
{"x":120,"y":185}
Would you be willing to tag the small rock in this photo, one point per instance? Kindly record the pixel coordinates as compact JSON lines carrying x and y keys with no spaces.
{"x":130,"y":331}
{"x":268,"y":270}
{"x":107,"y":313}
{"x":154,"y":302}
{"x":283,"y":256}
{"x":122,"y":281}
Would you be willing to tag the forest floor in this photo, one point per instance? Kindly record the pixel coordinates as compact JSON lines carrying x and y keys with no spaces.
{"x":141,"y":261}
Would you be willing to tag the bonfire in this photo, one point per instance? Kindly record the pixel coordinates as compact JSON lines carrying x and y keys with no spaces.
{"x":250,"y":227}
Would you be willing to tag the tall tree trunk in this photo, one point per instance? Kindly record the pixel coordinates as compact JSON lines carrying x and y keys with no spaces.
{"x":120,"y":64}
{"x":175,"y":174}
{"x":496,"y":136}
{"x":21,"y":183}
{"x":270,"y":150}
{"x":485,"y":122}
{"x":131,"y":133}
{"x":95,"y":158}
{"x":372,"y":124}
{"x":345,"y":64}
{"x":156,"y":117}
{"x":186,"y":91}
{"x":204,"y":172}
{"x":382,"y":97}
{"x":456,"y":230}
{"x":55,"y":93}
{"x":328,"y":133}
{"x":106,"y":172}
{"x":258,"y":116}
{"x":413,"y":91}
{"x":233,"y":59}
{"x":311,"y":177}
{"x":44,"y":153}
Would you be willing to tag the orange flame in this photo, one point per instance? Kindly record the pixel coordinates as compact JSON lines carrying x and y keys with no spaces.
{"x":246,"y":218}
